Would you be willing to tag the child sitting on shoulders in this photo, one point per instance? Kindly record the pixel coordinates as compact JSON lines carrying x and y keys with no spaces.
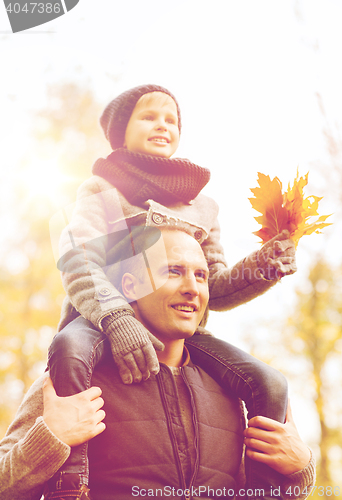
{"x":139,"y":184}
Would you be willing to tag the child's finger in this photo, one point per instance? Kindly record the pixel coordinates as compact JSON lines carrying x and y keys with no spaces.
{"x":132,"y":367}
{"x":139,"y":358}
{"x":157,"y":344}
{"x":151,"y":359}
{"x":125,"y":373}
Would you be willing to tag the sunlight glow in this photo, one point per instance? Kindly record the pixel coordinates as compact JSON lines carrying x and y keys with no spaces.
{"x":43,"y":178}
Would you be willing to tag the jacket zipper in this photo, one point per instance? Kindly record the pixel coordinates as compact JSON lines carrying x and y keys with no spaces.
{"x":194,"y":418}
{"x":173,"y":440}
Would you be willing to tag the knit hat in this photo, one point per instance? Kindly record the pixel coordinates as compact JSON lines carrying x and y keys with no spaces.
{"x":115,"y":118}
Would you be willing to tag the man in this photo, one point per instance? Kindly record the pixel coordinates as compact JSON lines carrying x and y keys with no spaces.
{"x":187,"y":435}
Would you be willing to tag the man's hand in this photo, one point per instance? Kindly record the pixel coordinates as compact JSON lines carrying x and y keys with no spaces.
{"x":277,"y":258}
{"x":73,"y":419}
{"x":277,"y":445}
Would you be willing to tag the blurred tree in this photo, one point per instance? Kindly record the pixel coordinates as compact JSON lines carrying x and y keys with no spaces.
{"x":66,"y":140}
{"x":307,"y":348}
{"x":68,"y":128}
{"x":332,"y":173}
{"x":314,"y":333}
{"x":30,"y":295}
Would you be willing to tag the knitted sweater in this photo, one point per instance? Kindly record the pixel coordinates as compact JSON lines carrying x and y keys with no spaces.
{"x":30,"y":454}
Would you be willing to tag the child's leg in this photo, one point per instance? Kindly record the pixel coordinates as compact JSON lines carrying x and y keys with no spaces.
{"x":261,"y":387}
{"x":73,"y":354}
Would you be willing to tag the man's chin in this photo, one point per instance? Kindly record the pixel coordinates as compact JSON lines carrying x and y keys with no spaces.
{"x":186,"y":334}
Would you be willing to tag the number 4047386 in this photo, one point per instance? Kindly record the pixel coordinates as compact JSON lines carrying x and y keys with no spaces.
{"x":31,"y":7}
{"x":322,"y":491}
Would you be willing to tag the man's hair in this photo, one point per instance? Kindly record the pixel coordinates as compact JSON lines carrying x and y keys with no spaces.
{"x":133,"y":248}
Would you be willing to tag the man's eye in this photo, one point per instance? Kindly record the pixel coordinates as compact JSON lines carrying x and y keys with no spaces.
{"x":174,"y":272}
{"x":201,"y":275}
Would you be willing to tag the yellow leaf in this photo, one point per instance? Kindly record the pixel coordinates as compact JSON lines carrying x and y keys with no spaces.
{"x":285,"y":211}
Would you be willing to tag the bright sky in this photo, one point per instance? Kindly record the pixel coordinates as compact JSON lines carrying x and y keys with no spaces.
{"x":246,"y":75}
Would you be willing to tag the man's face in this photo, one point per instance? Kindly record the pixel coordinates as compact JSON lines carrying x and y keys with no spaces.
{"x":153,"y":126}
{"x":175,"y":309}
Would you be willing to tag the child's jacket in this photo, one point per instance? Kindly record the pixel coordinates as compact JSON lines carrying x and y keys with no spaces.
{"x":91,"y":246}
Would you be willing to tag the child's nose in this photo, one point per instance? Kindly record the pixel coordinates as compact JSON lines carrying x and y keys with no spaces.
{"x":161,"y":125}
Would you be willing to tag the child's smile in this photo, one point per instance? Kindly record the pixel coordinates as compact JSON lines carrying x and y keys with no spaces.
{"x":153,"y":126}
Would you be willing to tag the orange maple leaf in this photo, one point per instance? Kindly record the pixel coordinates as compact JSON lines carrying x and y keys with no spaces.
{"x":285,"y":211}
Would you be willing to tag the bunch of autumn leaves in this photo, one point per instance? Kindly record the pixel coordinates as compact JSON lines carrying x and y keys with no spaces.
{"x":285,"y":211}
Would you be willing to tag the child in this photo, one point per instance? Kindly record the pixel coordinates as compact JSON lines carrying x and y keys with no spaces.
{"x":139,"y":184}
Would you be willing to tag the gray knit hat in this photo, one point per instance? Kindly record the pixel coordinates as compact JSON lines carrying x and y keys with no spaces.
{"x":116,"y":115}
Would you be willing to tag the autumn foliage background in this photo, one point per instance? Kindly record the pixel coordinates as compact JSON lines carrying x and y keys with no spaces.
{"x":31,"y":292}
{"x":63,"y":141}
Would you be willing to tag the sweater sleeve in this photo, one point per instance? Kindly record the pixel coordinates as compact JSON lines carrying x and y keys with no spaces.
{"x":29,"y":453}
{"x":298,"y":486}
{"x":230,"y":287}
{"x":84,"y":245}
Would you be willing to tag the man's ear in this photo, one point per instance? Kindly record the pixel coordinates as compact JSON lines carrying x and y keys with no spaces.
{"x":129,"y":286}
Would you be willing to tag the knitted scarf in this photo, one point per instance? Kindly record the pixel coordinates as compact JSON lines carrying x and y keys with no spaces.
{"x":140,"y":177}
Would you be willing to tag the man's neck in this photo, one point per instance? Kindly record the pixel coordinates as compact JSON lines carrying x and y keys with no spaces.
{"x":173,"y":353}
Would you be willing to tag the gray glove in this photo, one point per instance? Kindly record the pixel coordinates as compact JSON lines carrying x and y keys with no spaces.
{"x":277,"y":258}
{"x":133,"y":347}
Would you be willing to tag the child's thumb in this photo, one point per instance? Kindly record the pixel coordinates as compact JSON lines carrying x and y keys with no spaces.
{"x":48,"y":390}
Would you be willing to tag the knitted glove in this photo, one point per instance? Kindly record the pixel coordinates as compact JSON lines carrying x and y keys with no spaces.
{"x":133,"y":347}
{"x":277,"y":257}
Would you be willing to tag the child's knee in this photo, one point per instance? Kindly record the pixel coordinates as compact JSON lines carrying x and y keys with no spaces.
{"x":279,"y":385}
{"x":272,"y":394}
{"x":272,"y":383}
{"x":65,"y":344}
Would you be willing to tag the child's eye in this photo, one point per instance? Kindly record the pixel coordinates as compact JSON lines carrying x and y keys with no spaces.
{"x":147,"y":117}
{"x":171,"y":120}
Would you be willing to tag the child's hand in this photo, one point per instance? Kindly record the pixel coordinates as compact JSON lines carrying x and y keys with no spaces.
{"x":133,"y":347}
{"x":138,"y":364}
{"x":277,"y":445}
{"x":277,"y":257}
{"x":73,"y":419}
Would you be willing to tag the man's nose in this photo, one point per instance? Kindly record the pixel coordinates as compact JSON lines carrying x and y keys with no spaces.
{"x":190,"y":285}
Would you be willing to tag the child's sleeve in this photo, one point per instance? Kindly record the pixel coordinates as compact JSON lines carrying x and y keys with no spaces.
{"x":83,"y":248}
{"x":230,"y":287}
{"x":90,"y":265}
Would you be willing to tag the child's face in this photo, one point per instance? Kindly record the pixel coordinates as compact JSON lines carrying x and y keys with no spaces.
{"x":153,"y":126}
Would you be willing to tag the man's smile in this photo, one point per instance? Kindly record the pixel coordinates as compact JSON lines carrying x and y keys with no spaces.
{"x":185,"y":307}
